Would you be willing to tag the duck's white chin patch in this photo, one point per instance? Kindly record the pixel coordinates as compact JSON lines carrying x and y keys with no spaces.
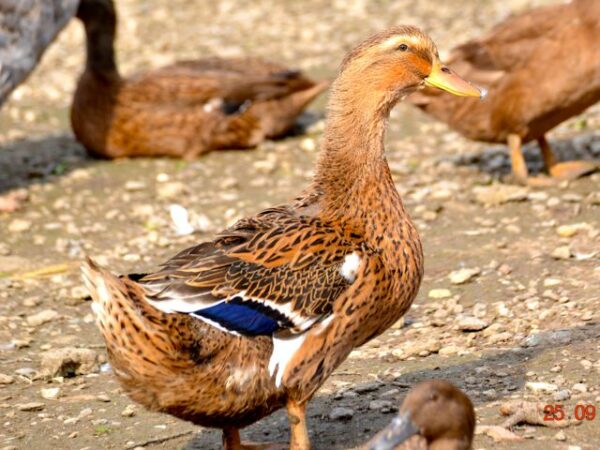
{"x":350,"y":267}
{"x":284,"y":350}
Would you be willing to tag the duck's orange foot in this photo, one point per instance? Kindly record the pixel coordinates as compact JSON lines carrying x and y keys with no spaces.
{"x":570,"y":170}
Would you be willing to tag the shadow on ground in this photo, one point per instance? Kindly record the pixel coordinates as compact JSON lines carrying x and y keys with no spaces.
{"x":503,"y":370}
{"x":495,"y":160}
{"x":33,"y":161}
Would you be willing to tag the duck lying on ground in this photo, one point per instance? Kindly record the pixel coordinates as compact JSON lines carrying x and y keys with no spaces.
{"x":182,"y":110}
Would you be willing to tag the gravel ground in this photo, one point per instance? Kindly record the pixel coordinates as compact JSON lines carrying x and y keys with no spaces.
{"x":508,"y":309}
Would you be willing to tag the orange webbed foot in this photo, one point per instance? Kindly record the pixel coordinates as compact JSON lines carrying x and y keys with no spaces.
{"x":571,"y":170}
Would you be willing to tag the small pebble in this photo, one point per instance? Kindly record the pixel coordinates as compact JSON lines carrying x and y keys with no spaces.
{"x":469,"y":323}
{"x":439,"y":293}
{"x":541,"y":387}
{"x":133,"y":185}
{"x":19,"y":225}
{"x":6,"y":379}
{"x":384,"y":406}
{"x":42,"y":317}
{"x":461,"y":276}
{"x":562,"y":395}
{"x":129,"y":411}
{"x":32,"y":406}
{"x":560,"y":436}
{"x":341,"y":413}
{"x":50,"y":393}
{"x":562,"y":252}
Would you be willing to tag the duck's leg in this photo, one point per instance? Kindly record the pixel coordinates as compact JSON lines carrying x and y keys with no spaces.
{"x":568,"y":170}
{"x":519,"y":167}
{"x":547,"y":154}
{"x":517,"y":160}
{"x":298,"y":431}
{"x":231,"y":439}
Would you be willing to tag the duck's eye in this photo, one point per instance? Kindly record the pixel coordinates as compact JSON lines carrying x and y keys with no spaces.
{"x":445,"y":70}
{"x":403,"y":47}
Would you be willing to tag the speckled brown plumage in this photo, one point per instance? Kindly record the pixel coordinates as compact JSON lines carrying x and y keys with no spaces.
{"x":264,"y":313}
{"x":435,"y":415}
{"x":541,"y":68}
{"x":182,"y":110}
{"x":168,"y":362}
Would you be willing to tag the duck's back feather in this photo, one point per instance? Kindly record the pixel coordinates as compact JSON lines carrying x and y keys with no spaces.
{"x":201,"y":81}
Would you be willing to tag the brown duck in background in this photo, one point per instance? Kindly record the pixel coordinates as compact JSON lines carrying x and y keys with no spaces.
{"x":182,"y":110}
{"x":232,"y":329}
{"x":435,"y":415}
{"x":541,"y":68}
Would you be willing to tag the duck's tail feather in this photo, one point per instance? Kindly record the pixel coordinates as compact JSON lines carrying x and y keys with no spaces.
{"x":278,"y":116}
{"x":108,"y":292}
{"x":136,"y":333}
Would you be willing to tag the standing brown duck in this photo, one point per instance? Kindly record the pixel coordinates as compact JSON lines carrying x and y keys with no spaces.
{"x":235,"y":328}
{"x":541,"y":68}
{"x":435,"y":415}
{"x":182,"y":110}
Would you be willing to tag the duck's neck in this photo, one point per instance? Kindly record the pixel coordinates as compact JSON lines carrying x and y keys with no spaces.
{"x":352,"y":172}
{"x":100,"y":34}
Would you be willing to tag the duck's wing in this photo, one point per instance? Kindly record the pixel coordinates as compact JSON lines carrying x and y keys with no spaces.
{"x":275,"y":271}
{"x":227,"y":82}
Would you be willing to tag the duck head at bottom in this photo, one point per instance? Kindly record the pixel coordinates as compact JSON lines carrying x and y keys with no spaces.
{"x":435,"y":415}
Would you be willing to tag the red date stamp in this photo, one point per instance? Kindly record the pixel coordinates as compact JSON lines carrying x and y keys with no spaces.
{"x":557,"y":413}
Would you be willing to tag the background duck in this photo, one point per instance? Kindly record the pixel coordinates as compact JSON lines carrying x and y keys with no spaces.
{"x":232,"y":329}
{"x":540,"y":68}
{"x":435,"y":415}
{"x":182,"y":110}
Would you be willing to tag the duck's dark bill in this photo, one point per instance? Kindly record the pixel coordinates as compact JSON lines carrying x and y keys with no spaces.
{"x":401,"y":429}
{"x":442,"y":77}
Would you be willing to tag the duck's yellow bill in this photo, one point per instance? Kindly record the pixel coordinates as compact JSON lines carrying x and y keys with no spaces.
{"x":443,"y":78}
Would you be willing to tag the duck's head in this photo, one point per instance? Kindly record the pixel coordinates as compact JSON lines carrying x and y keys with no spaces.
{"x":436,"y":410}
{"x":393,"y":63}
{"x":97,"y":13}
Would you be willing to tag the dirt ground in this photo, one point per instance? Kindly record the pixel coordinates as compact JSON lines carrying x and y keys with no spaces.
{"x":508,"y":309}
